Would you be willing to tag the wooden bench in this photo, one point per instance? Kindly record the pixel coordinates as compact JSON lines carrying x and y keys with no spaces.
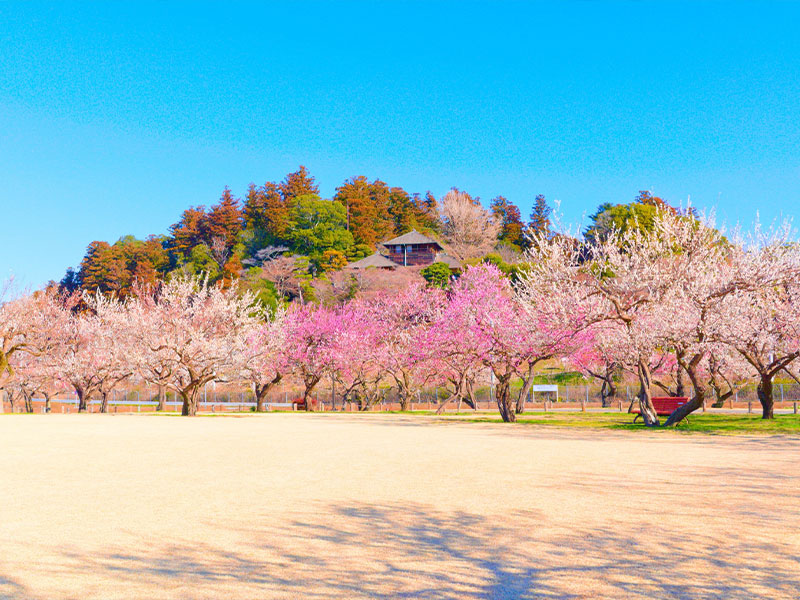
{"x":664,"y":405}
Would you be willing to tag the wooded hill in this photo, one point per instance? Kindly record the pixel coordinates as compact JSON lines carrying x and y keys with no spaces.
{"x":282,"y":237}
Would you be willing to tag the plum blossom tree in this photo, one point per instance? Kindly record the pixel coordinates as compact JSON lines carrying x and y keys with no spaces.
{"x":109,"y":344}
{"x":262,"y":361}
{"x":597,"y":359}
{"x":407,"y":315}
{"x":357,"y":348}
{"x":623,"y":278}
{"x":765,"y":332}
{"x":200,"y":330}
{"x":311,"y":332}
{"x":77,"y":360}
{"x":500,"y":332}
{"x":29,"y":324}
{"x":745,"y":295}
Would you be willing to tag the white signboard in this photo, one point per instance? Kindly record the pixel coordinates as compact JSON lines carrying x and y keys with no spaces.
{"x":544,"y":388}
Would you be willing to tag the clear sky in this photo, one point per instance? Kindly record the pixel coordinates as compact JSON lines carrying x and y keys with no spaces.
{"x":115,"y":116}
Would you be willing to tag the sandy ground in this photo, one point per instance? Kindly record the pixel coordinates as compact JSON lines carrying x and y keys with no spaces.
{"x":383,"y":506}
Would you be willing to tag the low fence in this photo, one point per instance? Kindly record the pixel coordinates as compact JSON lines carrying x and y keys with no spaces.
{"x":231,"y":398}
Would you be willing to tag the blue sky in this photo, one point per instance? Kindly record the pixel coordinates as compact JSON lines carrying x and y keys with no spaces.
{"x":116,"y":116}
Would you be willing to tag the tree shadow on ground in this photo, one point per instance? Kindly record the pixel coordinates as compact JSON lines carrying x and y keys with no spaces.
{"x":402,"y":551}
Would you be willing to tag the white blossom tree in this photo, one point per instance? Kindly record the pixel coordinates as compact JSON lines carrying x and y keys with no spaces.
{"x":200,"y":330}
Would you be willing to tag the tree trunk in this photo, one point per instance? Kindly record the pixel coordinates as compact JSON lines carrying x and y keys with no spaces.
{"x":470,"y":397}
{"x":310,"y":385}
{"x":646,"y":408}
{"x":680,"y":413}
{"x":162,"y":398}
{"x":189,"y":396}
{"x":680,"y":389}
{"x":697,"y":400}
{"x":527,"y":382}
{"x":608,"y":393}
{"x":261,"y":392}
{"x":403,"y":397}
{"x":46,"y":402}
{"x":261,"y":397}
{"x":28,"y":402}
{"x":81,"y":400}
{"x":764,"y":391}
{"x":504,"y":404}
{"x":104,"y":402}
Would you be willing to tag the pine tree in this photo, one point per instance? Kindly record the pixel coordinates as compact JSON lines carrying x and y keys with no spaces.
{"x":429,"y":213}
{"x":403,"y":210}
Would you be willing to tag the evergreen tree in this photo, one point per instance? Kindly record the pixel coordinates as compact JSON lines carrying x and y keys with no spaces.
{"x":299,"y":183}
{"x":540,"y":216}
{"x":367,"y":209}
{"x":224,"y":220}
{"x":266,"y":210}
{"x":403,"y":210}
{"x":428,"y":209}
{"x":189,"y":231}
{"x":510,"y":218}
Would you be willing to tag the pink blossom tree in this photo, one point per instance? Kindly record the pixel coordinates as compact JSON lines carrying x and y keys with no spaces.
{"x":311,"y":332}
{"x":110,"y":344}
{"x":408,"y":315}
{"x":504,"y":334}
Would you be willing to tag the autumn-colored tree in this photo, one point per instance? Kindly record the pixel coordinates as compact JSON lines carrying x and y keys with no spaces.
{"x":267,"y":210}
{"x":224,"y":220}
{"x":115,"y":268}
{"x":332,"y":260}
{"x":367,"y":207}
{"x":429,"y":212}
{"x":510,"y":218}
{"x":103,"y":268}
{"x":189,"y":230}
{"x":404,"y":211}
{"x":299,"y":183}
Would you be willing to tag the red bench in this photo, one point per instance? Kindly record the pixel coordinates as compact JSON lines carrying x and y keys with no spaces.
{"x":664,"y":405}
{"x":300,"y":404}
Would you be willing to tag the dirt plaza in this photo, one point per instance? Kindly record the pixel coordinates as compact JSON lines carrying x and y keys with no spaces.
{"x":385,"y":506}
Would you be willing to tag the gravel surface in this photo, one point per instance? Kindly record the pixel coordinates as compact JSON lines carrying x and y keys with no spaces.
{"x":387,"y":506}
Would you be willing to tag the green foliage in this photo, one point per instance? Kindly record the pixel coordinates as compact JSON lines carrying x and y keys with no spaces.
{"x":316,"y":225}
{"x":437,"y":275}
{"x":264,"y":289}
{"x":201,"y":261}
{"x":357,"y":252}
{"x":639,"y":214}
{"x":512,"y":271}
{"x":726,"y":424}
